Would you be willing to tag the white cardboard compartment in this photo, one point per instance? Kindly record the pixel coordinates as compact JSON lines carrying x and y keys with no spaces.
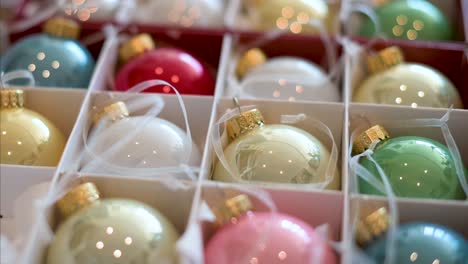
{"x":331,"y":114}
{"x":315,"y":208}
{"x":284,"y":45}
{"x":61,"y":107}
{"x":447,"y":213}
{"x":449,"y":61}
{"x":175,"y":204}
{"x":185,"y":40}
{"x":451,"y":213}
{"x":198,"y":109}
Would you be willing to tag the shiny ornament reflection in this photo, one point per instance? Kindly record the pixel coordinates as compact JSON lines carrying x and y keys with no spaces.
{"x":143,"y":62}
{"x":416,"y":167}
{"x":291,"y":15}
{"x":259,"y":81}
{"x":158,"y":142}
{"x":184,"y":13}
{"x":27,"y":137}
{"x":113,"y":231}
{"x":274,"y":154}
{"x":410,"y":20}
{"x":262,"y":237}
{"x":423,"y":243}
{"x":91,"y":10}
{"x":54,"y":58}
{"x":408,"y":84}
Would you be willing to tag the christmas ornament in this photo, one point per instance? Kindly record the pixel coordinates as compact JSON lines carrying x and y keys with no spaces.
{"x":54,"y":57}
{"x":185,"y":13}
{"x":86,"y":10}
{"x":280,"y":78}
{"x":415,"y":166}
{"x":143,"y":62}
{"x":158,"y":142}
{"x":396,"y":82}
{"x":110,"y":231}
{"x":26,"y":137}
{"x":417,"y":242}
{"x":410,"y":20}
{"x":272,"y":238}
{"x":268,"y":154}
{"x":290,"y":15}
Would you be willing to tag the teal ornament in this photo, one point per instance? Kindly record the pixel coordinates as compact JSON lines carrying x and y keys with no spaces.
{"x":54,"y":60}
{"x":410,"y":20}
{"x":424,"y":243}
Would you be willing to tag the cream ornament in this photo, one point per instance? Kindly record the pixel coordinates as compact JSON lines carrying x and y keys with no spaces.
{"x":398,"y":83}
{"x":110,"y":231}
{"x":27,"y":137}
{"x":157,"y":143}
{"x":271,"y":155}
{"x":185,"y":13}
{"x":291,"y":15}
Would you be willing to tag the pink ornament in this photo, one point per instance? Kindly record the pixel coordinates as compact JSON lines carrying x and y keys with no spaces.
{"x":185,"y":72}
{"x":268,"y":238}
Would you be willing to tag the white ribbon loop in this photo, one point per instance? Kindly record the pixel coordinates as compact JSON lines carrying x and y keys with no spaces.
{"x":216,"y":136}
{"x":15,"y":75}
{"x":135,"y":104}
{"x":366,"y":9}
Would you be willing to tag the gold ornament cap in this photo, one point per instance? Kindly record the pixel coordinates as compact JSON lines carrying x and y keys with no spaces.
{"x":135,"y":46}
{"x":114,"y":112}
{"x":249,"y":60}
{"x":384,"y":59}
{"x":62,"y":27}
{"x":368,"y":137}
{"x":372,"y":226}
{"x":232,"y":208}
{"x":244,"y":122}
{"x":12,"y":98}
{"x":77,"y":198}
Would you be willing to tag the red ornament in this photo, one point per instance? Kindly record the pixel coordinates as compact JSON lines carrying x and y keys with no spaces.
{"x":177,"y":67}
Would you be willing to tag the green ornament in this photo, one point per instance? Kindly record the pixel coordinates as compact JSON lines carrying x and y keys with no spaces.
{"x":410,"y":20}
{"x":416,"y":167}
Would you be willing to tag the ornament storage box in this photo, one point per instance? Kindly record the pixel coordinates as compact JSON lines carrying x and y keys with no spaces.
{"x":314,"y":207}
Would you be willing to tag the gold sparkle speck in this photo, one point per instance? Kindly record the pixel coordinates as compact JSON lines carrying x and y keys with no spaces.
{"x":412,"y":34}
{"x":401,"y":20}
{"x":418,"y":25}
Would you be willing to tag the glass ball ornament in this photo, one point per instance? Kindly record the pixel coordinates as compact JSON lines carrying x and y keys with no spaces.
{"x":158,"y":142}
{"x":410,"y":20}
{"x":54,"y":57}
{"x":110,"y":231}
{"x":416,"y":242}
{"x":92,"y":10}
{"x":184,"y":13}
{"x":27,"y":137}
{"x":280,"y":78}
{"x":395,"y":82}
{"x":273,"y":154}
{"x":416,"y":167}
{"x":142,"y":62}
{"x":289,"y":15}
{"x":272,"y":238}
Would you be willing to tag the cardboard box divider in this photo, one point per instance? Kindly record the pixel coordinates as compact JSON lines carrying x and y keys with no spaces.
{"x":315,"y":207}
